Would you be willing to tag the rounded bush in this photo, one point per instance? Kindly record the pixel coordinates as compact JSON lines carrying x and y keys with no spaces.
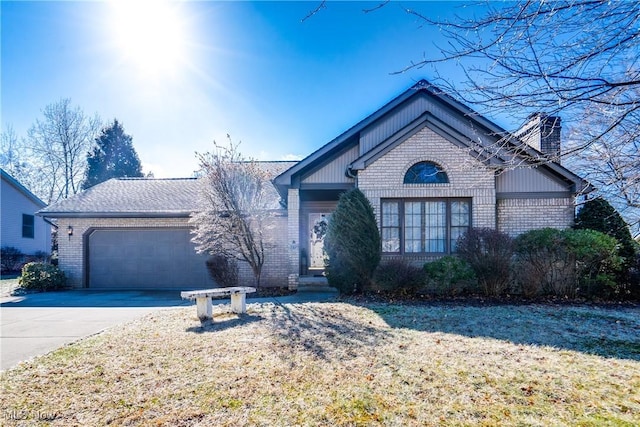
{"x":448,"y":275}
{"x":397,"y":277}
{"x":597,"y":214}
{"x":223,"y":270}
{"x":42,"y":277}
{"x":488,"y":252}
{"x":566,"y":263}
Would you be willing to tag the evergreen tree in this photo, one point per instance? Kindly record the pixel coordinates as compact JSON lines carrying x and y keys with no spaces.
{"x":112,"y":157}
{"x":352,"y":243}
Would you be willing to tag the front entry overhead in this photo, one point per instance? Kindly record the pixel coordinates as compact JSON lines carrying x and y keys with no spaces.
{"x":144,"y":259}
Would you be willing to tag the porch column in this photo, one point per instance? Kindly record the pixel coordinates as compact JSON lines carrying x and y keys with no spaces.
{"x":293,"y":229}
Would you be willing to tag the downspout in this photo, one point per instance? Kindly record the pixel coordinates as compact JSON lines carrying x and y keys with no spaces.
{"x":349,"y":173}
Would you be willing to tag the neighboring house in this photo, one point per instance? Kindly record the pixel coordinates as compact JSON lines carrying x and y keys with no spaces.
{"x":21,"y":228}
{"x":431,"y":168}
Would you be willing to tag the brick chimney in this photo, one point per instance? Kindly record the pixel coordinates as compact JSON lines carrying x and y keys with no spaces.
{"x":542,"y":132}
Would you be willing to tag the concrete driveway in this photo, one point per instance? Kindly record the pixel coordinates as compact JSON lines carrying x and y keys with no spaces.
{"x":36,"y":324}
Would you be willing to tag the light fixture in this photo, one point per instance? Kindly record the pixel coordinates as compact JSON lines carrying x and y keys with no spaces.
{"x":70,"y":231}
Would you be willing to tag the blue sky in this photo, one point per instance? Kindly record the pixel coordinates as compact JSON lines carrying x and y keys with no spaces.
{"x":253,"y":70}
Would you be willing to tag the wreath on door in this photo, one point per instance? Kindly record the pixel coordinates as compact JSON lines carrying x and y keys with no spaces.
{"x":320,"y":228}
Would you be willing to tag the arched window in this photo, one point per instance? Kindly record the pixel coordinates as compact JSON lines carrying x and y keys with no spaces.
{"x":425,"y":173}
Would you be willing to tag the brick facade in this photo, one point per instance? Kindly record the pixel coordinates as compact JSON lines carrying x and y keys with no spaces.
{"x":276,"y":264}
{"x":516,"y":216}
{"x":468,"y":178}
{"x":293,"y":235}
{"x":420,"y":125}
{"x":71,"y":255}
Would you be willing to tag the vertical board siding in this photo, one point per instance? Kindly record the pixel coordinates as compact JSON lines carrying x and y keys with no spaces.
{"x":334,"y":172}
{"x":386,"y":127}
{"x":528,"y":180}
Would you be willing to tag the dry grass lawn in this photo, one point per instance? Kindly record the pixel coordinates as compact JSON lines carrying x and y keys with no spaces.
{"x":343,"y":363}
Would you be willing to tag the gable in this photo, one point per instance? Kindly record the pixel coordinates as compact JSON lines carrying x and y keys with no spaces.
{"x":463,"y":171}
{"x":423,"y":105}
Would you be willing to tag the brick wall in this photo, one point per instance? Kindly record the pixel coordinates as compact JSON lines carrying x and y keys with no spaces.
{"x":468,"y":178}
{"x":71,"y":254}
{"x":293,"y":234}
{"x":70,"y":249}
{"x":515,"y":216}
{"x":275,"y":270}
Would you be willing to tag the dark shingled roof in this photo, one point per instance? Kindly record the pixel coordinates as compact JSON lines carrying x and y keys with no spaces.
{"x":131,"y":197}
{"x":140,"y":197}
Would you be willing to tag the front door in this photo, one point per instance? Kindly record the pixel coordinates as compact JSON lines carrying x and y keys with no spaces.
{"x":318,"y":223}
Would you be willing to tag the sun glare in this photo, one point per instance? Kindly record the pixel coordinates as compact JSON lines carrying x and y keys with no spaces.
{"x":151,"y":35}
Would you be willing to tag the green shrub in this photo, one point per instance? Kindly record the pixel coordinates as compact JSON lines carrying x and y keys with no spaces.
{"x":488,"y":252}
{"x":223,"y":270}
{"x":42,"y":277}
{"x":352,"y":243}
{"x":10,"y":258}
{"x":597,"y":214}
{"x":565,"y":263}
{"x":397,"y":277}
{"x":448,"y":275}
{"x":543,"y":265}
{"x":598,"y":263}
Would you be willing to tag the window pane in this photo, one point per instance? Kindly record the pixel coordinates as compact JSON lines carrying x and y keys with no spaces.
{"x":460,"y":214}
{"x":390,"y":240}
{"x":390,"y":214}
{"x":425,"y":173}
{"x":435,"y":226}
{"x":28,"y":226}
{"x":456,"y":232}
{"x":390,"y":226}
{"x":413,"y":226}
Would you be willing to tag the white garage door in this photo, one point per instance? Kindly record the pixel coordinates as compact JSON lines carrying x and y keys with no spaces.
{"x":145,"y":259}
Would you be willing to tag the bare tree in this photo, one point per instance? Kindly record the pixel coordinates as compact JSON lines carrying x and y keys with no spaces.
{"x":9,"y":150}
{"x":612,"y":164}
{"x":237,"y":202}
{"x":15,"y":161}
{"x":575,"y":58}
{"x":58,"y":145}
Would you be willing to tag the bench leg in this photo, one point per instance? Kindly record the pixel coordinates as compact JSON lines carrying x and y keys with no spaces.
{"x":204,"y":307}
{"x":238,"y":303}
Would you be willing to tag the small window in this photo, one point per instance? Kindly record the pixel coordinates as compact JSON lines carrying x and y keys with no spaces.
{"x":28,"y":225}
{"x":425,"y":173}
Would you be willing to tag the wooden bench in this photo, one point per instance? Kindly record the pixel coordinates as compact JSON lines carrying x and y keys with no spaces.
{"x":203,"y":299}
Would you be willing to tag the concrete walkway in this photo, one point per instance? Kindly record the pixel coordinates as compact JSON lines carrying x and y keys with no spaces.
{"x":35,"y":324}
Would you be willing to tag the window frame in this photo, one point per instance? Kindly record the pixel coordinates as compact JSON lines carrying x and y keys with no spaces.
{"x":438,"y":177}
{"x":401,"y":227}
{"x":28,"y":230}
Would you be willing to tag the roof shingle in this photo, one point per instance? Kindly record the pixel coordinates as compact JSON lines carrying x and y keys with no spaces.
{"x":140,"y":197}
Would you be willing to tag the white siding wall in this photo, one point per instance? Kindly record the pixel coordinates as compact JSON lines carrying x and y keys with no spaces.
{"x":13,"y":204}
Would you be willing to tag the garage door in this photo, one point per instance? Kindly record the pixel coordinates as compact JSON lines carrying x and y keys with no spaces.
{"x":145,"y":259}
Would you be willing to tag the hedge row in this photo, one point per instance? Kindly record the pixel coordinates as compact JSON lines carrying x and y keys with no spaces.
{"x":547,"y":262}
